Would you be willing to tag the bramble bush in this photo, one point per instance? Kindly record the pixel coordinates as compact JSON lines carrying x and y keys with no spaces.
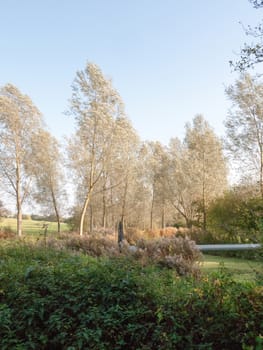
{"x":178,"y":253}
{"x":92,"y":245}
{"x":173,"y":252}
{"x":51,"y":299}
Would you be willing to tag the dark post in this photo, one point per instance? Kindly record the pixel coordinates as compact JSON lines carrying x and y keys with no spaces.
{"x":120,"y":234}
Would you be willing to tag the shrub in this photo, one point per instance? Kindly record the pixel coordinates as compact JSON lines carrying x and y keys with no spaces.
{"x":133,"y":234}
{"x":237,"y":217}
{"x":178,"y":253}
{"x":93,"y":245}
{"x":6,"y":232}
{"x":54,"y":300}
{"x":26,"y":217}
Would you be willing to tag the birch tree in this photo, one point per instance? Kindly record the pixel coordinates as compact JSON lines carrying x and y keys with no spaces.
{"x":113,"y":198}
{"x":180,"y":185}
{"x":156,"y":174}
{"x":244,"y":127}
{"x":95,"y":104}
{"x":19,"y":121}
{"x":125,"y":166}
{"x":198,"y":172}
{"x":207,"y":164}
{"x":47,"y":168}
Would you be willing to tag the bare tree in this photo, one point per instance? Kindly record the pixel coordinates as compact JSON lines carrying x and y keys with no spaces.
{"x":3,"y":210}
{"x":252,"y":53}
{"x":244,"y":127}
{"x":19,"y":121}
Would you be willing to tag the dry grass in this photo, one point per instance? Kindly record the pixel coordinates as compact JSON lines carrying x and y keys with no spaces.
{"x":178,"y":253}
{"x":133,"y":235}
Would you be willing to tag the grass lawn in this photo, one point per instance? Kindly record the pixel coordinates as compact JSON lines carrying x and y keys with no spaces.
{"x":32,"y":227}
{"x":243,"y":270}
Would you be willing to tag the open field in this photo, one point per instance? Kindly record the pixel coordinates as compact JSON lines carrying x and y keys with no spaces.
{"x":242,"y":269}
{"x":32,"y":227}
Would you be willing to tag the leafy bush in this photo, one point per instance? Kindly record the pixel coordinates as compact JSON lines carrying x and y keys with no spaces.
{"x":237,"y":218}
{"x":26,"y":217}
{"x":6,"y":232}
{"x":55,"y":300}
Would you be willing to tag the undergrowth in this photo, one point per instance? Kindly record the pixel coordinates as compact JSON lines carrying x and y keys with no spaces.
{"x":53,"y":299}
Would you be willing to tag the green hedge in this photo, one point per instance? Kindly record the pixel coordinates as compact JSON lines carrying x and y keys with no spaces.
{"x":53,"y":300}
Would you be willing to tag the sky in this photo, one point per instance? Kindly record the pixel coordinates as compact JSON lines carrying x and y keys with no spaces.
{"x":168,"y":59}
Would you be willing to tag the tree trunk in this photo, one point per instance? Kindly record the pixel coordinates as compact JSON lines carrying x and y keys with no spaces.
{"x":261,"y":172}
{"x":163,"y":217}
{"x":151,"y":213}
{"x":91,"y":220}
{"x":204,"y":219}
{"x":151,"y":218}
{"x":113,"y":219}
{"x":83,"y":213}
{"x":19,"y":219}
{"x":123,"y":209}
{"x":204,"y":209}
{"x":204,"y":194}
{"x":189,"y":223}
{"x":18,"y":202}
{"x":103,"y":209}
{"x":58,"y":221}
{"x":56,"y":209}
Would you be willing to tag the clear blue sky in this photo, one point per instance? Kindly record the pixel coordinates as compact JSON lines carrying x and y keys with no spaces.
{"x":167,"y":58}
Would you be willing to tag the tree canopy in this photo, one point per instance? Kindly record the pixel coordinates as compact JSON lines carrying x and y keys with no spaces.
{"x":251,"y":54}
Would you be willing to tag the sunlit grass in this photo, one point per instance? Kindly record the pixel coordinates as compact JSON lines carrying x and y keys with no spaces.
{"x":32,"y":227}
{"x":242,"y":269}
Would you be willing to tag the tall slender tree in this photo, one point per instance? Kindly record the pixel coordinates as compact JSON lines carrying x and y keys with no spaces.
{"x":244,"y":127}
{"x":95,"y":105}
{"x":208,"y":164}
{"x":47,"y":168}
{"x":20,"y":120}
{"x":198,"y":172}
{"x":181,"y":188}
{"x":156,"y":176}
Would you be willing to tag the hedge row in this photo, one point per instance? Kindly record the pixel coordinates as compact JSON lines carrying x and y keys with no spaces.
{"x":53,"y":300}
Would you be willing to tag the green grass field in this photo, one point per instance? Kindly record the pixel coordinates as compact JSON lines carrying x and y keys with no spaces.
{"x":242,"y":269}
{"x":32,"y":227}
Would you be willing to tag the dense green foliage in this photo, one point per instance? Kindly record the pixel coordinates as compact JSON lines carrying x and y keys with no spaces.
{"x":236,"y":218}
{"x":55,"y":300}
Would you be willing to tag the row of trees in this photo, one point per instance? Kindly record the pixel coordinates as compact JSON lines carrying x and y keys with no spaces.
{"x":116,"y":175}
{"x":29,"y":156}
{"x":119,"y":177}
